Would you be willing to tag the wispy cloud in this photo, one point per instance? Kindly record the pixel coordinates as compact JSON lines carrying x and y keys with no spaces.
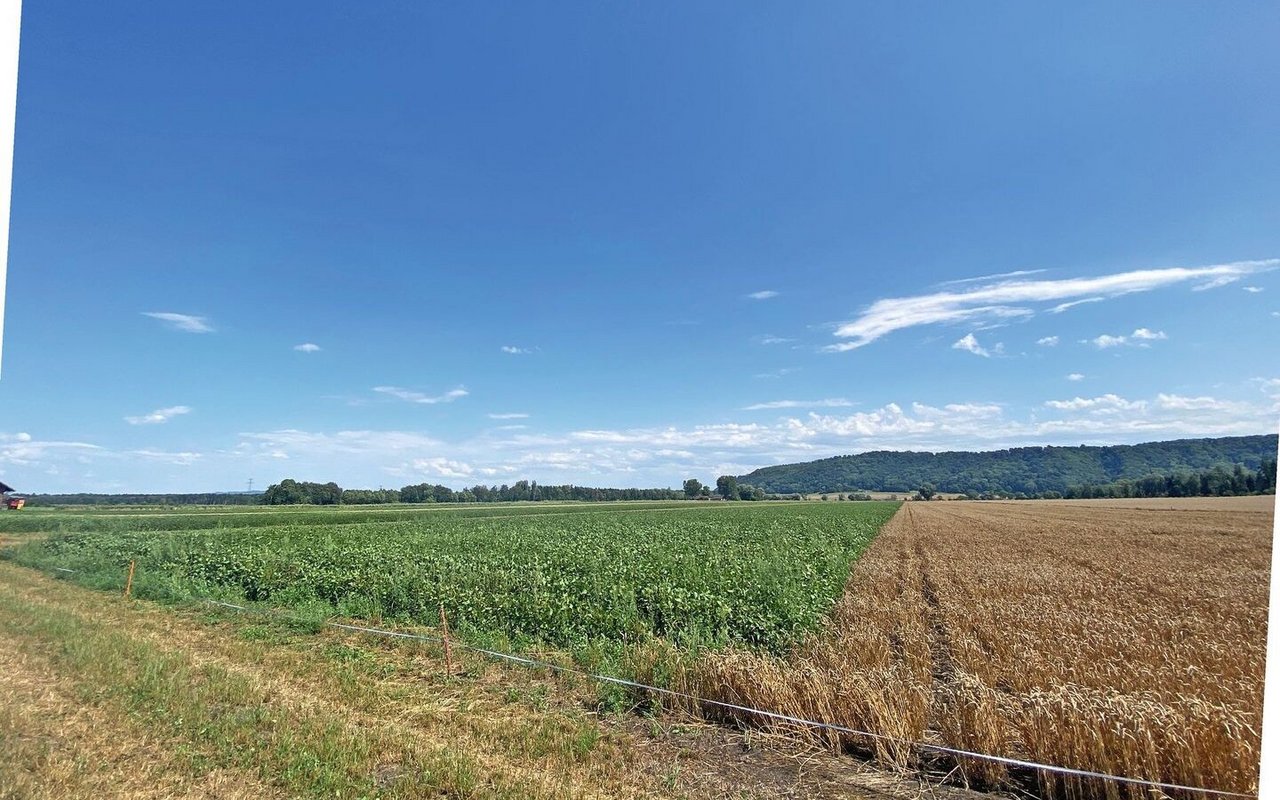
{"x":1214,"y":282}
{"x":1253,"y":289}
{"x":970,"y":343}
{"x":23,"y":450}
{"x":188,"y":323}
{"x":183,"y":459}
{"x":159,"y":416}
{"x":770,"y":339}
{"x":1059,"y":308}
{"x":1076,"y":376}
{"x":307,"y":347}
{"x":831,"y":402}
{"x":509,"y":416}
{"x":763,"y":295}
{"x":515,"y":351}
{"x":1139,"y":338}
{"x":778,"y":373}
{"x":1014,"y":299}
{"x":1048,"y":341}
{"x":1015,"y":274}
{"x":418,"y":397}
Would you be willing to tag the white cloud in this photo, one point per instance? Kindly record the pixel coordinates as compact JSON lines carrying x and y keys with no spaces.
{"x":159,"y":416}
{"x":418,"y":397}
{"x":1048,"y":341}
{"x":515,"y":351}
{"x":307,"y":347}
{"x":442,"y":468}
{"x":187,"y":323}
{"x":1138,"y":338}
{"x":1104,"y":403}
{"x":763,"y":295}
{"x":509,"y":416}
{"x":834,"y":402}
{"x":958,"y":410}
{"x":22,"y":450}
{"x":1012,"y":299}
{"x":1253,"y":289}
{"x":769,"y":339}
{"x":1177,"y":402}
{"x":970,"y":343}
{"x":1106,"y":340}
{"x":1075,"y":376}
{"x":722,"y":435}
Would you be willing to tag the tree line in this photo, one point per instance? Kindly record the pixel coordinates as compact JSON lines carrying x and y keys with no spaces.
{"x":291,"y":492}
{"x":1218,"y":481}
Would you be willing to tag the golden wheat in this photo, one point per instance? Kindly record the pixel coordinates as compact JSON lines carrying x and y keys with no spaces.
{"x":1123,"y":640}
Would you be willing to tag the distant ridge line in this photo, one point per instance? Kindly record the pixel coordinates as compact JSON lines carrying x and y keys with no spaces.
{"x":1030,"y":470}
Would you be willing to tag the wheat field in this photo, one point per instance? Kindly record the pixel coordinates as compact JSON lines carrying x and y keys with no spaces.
{"x":1123,"y":638}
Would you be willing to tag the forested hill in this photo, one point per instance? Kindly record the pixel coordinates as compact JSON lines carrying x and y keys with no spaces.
{"x":1030,"y":470}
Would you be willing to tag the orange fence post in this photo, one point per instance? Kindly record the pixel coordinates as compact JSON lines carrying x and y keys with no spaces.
{"x":128,"y":584}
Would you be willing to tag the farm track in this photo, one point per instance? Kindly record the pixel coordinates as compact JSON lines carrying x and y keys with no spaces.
{"x":89,"y":728}
{"x":941,"y":657}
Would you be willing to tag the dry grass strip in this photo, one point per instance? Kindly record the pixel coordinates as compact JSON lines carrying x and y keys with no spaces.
{"x":523,"y":734}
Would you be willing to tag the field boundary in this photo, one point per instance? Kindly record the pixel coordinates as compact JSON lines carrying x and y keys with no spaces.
{"x":772,"y":715}
{"x":616,"y":681}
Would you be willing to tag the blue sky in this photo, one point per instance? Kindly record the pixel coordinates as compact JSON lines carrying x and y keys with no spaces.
{"x":626,"y":244}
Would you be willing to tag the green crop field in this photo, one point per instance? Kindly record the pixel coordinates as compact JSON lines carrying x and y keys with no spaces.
{"x":696,"y":575}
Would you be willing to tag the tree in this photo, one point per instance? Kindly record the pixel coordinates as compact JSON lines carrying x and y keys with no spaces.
{"x":289,"y":492}
{"x":325,"y":494}
{"x":727,"y":487}
{"x":286,"y":492}
{"x":926,"y":491}
{"x":692,"y":488}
